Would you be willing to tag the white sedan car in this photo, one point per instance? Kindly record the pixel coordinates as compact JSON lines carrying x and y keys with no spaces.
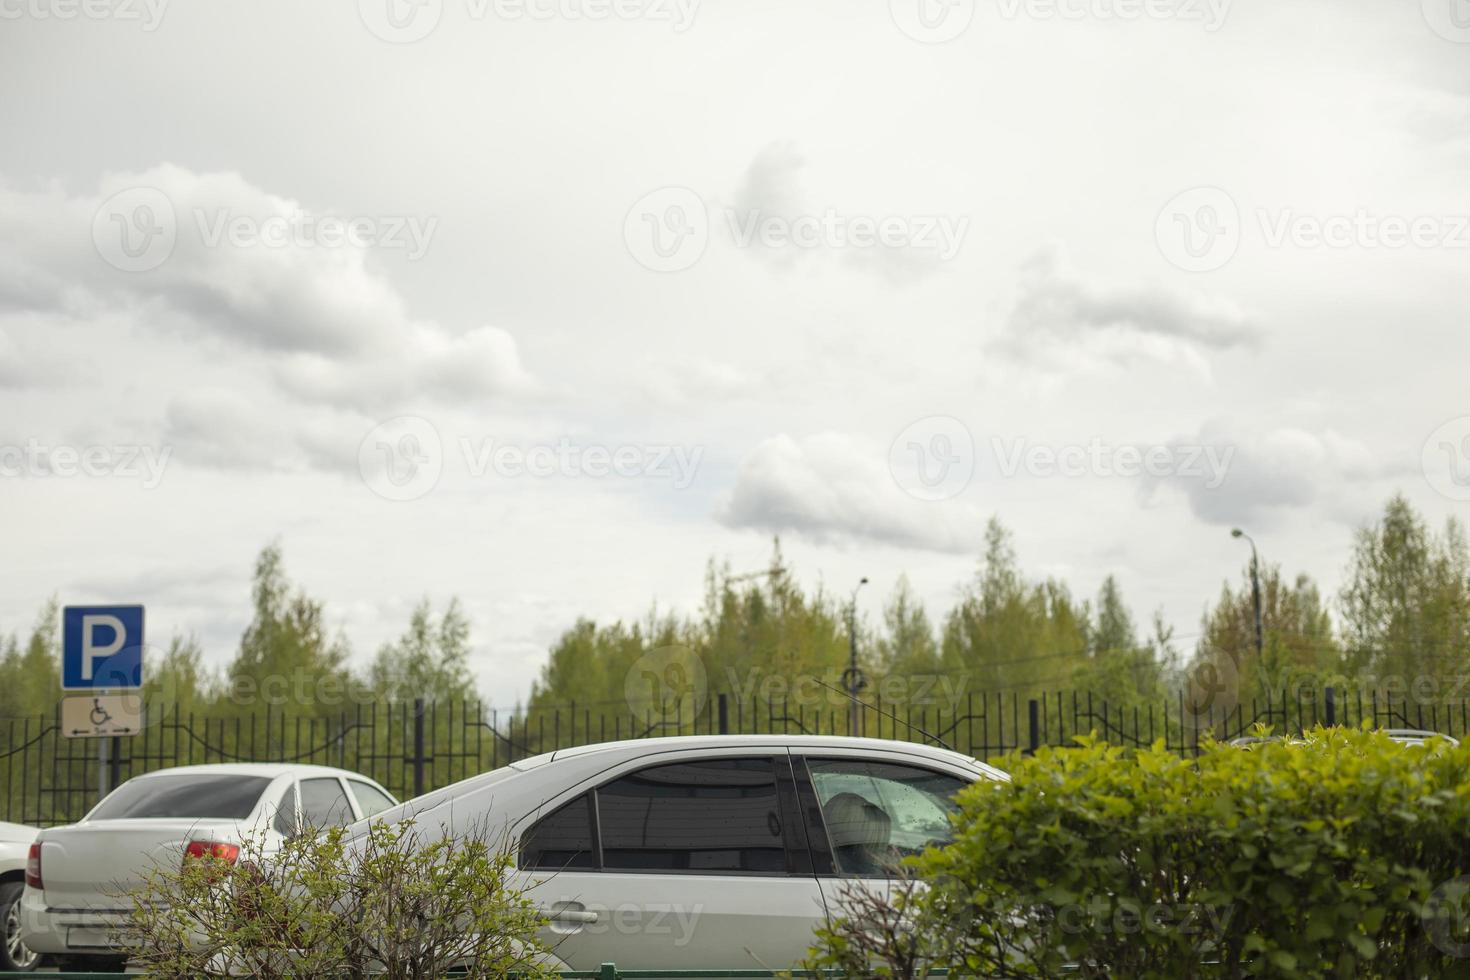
{"x":15,"y":843}
{"x":703,"y":852}
{"x":77,"y":876}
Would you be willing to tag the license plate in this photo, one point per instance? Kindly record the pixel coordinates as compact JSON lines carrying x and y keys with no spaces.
{"x":88,"y":937}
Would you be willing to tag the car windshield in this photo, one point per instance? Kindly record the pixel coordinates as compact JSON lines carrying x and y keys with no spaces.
{"x":195,"y":795}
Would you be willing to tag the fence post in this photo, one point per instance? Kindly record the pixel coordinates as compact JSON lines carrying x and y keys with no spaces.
{"x":1033,"y":723}
{"x":609,"y":971}
{"x":1330,"y":712}
{"x":418,"y":746}
{"x":724,"y":714}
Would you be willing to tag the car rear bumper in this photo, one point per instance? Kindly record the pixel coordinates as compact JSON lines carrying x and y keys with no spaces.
{"x":48,"y":930}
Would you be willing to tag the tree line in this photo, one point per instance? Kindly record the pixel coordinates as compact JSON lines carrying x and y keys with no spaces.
{"x":1400,"y":625}
{"x":1400,"y":622}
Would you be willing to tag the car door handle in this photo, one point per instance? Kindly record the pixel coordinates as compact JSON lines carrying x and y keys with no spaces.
{"x":574,"y":912}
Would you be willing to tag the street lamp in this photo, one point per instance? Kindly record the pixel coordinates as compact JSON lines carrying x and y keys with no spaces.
{"x":852,"y":677}
{"x":1255,"y":586}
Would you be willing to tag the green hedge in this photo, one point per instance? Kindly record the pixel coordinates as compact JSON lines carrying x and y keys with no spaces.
{"x":1341,"y":855}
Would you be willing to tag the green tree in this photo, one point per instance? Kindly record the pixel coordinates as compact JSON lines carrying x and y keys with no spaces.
{"x":1113,"y":626}
{"x":761,"y":636}
{"x":286,"y":657}
{"x":177,"y":680}
{"x":30,"y":675}
{"x":1120,"y":671}
{"x":1010,"y":634}
{"x":1299,"y":651}
{"x":574,"y":668}
{"x":430,"y":660}
{"x":907,"y":644}
{"x":1406,"y":604}
{"x":759,"y":639}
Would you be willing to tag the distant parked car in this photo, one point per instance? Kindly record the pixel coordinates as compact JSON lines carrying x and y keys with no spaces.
{"x":77,"y":876}
{"x":703,"y":852}
{"x":1416,"y":736}
{"x":15,"y":843}
{"x":1404,"y":736}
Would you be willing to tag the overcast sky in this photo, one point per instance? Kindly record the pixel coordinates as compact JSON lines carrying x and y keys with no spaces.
{"x":541,"y":303}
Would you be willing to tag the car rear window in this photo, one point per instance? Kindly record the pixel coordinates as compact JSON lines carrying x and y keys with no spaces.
{"x":214,"y":796}
{"x":710,"y":816}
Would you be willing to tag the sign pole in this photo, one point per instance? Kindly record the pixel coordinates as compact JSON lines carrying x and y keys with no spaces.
{"x":102,"y":753}
{"x":115,"y":779}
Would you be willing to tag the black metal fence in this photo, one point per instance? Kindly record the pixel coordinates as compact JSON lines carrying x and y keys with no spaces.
{"x":414,"y":748}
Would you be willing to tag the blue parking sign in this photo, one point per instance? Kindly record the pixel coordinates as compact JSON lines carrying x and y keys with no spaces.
{"x":101,"y":647}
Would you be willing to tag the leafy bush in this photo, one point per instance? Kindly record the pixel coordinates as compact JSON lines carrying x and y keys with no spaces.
{"x":1341,"y":855}
{"x":385,"y":904}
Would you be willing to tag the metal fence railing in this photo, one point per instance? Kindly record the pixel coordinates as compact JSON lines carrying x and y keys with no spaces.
{"x":412,"y":748}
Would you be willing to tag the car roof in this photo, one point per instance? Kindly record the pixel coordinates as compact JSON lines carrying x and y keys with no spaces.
{"x":270,"y":770}
{"x":674,"y":743}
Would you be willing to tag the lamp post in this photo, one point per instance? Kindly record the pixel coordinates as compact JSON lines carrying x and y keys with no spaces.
{"x":1255,"y":587}
{"x":852,"y":677}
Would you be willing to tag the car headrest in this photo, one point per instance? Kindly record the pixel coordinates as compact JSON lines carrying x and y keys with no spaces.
{"x":853,"y":820}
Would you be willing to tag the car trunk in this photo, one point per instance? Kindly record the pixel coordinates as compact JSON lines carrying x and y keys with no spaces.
{"x":93,"y":865}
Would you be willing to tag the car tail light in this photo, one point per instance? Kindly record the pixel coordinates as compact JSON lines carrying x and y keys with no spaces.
{"x":33,"y":866}
{"x":212,"y":849}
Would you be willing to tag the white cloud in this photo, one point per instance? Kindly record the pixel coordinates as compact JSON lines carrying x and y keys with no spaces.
{"x":1274,"y":473}
{"x":834,"y":488}
{"x":771,"y":184}
{"x":13,"y":373}
{"x":225,"y":429}
{"x":681,"y":381}
{"x":228,"y":430}
{"x":771,"y":195}
{"x":286,"y":285}
{"x":430,"y":365}
{"x":1063,"y":318}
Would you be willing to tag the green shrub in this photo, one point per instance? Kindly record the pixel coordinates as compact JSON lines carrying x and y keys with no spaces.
{"x":386,"y":904}
{"x":1340,"y":855}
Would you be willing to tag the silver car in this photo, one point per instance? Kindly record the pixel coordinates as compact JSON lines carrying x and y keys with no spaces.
{"x":703,"y":852}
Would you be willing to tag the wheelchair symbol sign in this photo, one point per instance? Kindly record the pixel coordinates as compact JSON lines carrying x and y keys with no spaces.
{"x":101,"y":716}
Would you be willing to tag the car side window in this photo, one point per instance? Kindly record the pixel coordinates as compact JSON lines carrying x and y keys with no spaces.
{"x":878,"y":813}
{"x":370,"y":800}
{"x":712,"y":815}
{"x":324,"y":804}
{"x":285,"y":819}
{"x":562,"y":839}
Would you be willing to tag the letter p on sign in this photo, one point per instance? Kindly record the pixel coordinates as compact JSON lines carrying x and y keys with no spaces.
{"x":93,"y":651}
{"x":102,"y":648}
